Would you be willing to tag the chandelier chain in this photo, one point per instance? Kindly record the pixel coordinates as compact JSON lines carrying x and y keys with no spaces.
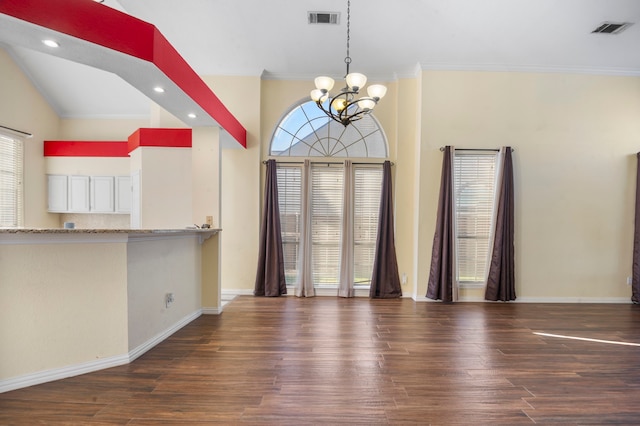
{"x":347,"y":59}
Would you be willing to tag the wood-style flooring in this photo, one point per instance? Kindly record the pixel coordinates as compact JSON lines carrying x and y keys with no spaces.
{"x":326,"y":360}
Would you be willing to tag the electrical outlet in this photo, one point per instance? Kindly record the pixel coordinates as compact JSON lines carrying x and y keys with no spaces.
{"x":168,"y":299}
{"x":210,"y":220}
{"x":404,"y":278}
{"x":629,"y":281}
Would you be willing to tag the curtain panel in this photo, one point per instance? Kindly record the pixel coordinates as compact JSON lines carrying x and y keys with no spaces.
{"x":635,"y":279}
{"x":270,"y":277}
{"x":385,"y":281}
{"x":345,"y":288}
{"x":441,"y":285}
{"x":304,"y":286}
{"x":501,"y":276}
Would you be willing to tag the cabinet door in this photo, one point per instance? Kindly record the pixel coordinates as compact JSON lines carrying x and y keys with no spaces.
{"x":57,"y":191}
{"x":123,"y":194}
{"x":79,"y":194}
{"x":102,"y":194}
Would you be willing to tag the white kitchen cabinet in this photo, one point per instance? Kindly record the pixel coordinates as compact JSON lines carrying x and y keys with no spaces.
{"x":89,"y":194}
{"x":79,"y":194}
{"x":123,"y":194}
{"x":58,"y":189}
{"x":102,"y":194}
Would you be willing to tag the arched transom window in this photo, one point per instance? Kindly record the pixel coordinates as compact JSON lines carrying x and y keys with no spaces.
{"x":306,"y":131}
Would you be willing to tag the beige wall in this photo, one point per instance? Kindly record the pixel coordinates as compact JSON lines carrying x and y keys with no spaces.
{"x":240,"y":191}
{"x":574,"y":138}
{"x":23,"y":108}
{"x":40,"y":311}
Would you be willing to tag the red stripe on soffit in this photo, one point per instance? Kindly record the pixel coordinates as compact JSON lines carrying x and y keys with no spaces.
{"x":86,"y":149}
{"x":99,"y":24}
{"x":168,"y":138}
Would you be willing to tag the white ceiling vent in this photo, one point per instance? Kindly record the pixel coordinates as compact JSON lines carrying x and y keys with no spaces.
{"x":612,"y":27}
{"x":324,"y":17}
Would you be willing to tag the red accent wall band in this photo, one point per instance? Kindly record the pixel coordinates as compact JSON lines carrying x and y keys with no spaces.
{"x":168,"y":138}
{"x":86,"y":149}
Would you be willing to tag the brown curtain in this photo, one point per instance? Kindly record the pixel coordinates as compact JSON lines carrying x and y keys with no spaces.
{"x":270,"y":279}
{"x":385,"y":281}
{"x":635,"y":280}
{"x":441,"y":285}
{"x":501,"y":278}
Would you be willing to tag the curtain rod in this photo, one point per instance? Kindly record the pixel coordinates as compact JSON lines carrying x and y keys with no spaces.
{"x":476,"y":149}
{"x":19,"y":132}
{"x":324,"y":162}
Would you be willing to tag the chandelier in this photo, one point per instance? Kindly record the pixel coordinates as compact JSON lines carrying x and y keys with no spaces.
{"x":344,"y":107}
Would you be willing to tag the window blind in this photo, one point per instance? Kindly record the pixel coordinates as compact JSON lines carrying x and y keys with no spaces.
{"x":326,"y":217}
{"x":474,"y":192}
{"x":11,"y":165}
{"x":289,"y":203}
{"x":367,"y":192}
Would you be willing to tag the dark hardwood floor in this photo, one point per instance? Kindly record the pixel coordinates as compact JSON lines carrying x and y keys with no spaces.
{"x":325,"y":360}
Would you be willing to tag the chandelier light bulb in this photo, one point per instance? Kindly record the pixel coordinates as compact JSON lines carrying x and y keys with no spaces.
{"x":377,"y":91}
{"x":324,"y":83}
{"x":356,"y":81}
{"x":339,"y":104}
{"x":366,"y":104}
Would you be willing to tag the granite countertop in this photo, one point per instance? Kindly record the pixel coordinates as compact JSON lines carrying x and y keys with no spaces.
{"x":104,"y":231}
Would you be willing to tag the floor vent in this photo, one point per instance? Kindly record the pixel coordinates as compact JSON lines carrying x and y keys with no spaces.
{"x":324,"y":17}
{"x":611,"y":27}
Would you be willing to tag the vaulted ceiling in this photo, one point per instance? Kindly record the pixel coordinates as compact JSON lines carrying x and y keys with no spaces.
{"x":389,"y":40}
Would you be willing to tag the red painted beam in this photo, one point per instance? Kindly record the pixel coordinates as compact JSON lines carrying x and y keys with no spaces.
{"x":168,"y":138}
{"x":110,"y":28}
{"x":86,"y":149}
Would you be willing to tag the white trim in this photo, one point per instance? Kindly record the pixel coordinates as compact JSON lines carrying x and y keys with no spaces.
{"x":91,"y":366}
{"x":159,"y":338}
{"x":61,"y":373}
{"x":435,"y":66}
{"x":212,"y":311}
{"x":600,"y":300}
{"x":231,"y":293}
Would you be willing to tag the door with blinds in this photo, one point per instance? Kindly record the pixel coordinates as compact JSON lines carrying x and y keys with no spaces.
{"x":326,"y":209}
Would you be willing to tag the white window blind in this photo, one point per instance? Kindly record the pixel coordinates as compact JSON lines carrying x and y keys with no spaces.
{"x":367,"y":191}
{"x":11,"y":170}
{"x":474,"y":175}
{"x":289,"y":203}
{"x":326,"y":222}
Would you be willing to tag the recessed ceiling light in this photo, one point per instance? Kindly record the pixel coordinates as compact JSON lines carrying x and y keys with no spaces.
{"x":158,"y":89}
{"x":192,"y":115}
{"x":51,"y":43}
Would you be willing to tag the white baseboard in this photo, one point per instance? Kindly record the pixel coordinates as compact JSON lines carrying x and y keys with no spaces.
{"x":91,"y":366}
{"x":212,"y":311}
{"x":61,"y":373}
{"x":159,"y":338}
{"x":541,"y":300}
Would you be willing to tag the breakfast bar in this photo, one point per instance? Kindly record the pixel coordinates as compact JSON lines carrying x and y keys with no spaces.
{"x":80,"y":300}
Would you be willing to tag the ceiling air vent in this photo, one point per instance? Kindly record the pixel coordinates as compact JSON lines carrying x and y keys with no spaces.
{"x":324,"y":17}
{"x":611,"y":27}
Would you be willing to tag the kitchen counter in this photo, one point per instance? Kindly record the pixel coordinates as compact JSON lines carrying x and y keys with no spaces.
{"x":80,"y":300}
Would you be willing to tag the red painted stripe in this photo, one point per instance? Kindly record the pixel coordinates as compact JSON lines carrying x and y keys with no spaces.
{"x":168,"y":138}
{"x":93,"y":22}
{"x":171,"y":63}
{"x":86,"y":149}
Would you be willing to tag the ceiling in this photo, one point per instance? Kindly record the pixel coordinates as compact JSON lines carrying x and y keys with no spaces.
{"x":389,"y":40}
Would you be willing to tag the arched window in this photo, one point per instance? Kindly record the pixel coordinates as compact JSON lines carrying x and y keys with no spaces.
{"x":306,"y":131}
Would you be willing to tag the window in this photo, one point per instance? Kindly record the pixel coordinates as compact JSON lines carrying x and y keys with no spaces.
{"x":306,"y":132}
{"x":327,"y":182}
{"x":11,"y":159}
{"x":474,"y":177}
